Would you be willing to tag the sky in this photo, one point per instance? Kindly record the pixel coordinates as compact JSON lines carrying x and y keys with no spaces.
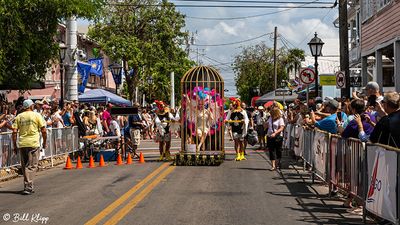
{"x":295,"y":27}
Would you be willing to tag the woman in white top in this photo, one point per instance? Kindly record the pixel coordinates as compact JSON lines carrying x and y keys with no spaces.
{"x":275,"y":125}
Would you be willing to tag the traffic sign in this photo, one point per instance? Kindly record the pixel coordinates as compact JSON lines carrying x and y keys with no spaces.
{"x":283,"y":92}
{"x":307,"y":76}
{"x":340,"y":80}
{"x":355,"y":81}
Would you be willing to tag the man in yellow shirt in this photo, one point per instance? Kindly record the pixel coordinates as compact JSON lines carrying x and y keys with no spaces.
{"x":28,"y":124}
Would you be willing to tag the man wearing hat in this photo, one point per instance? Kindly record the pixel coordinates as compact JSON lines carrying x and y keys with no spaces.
{"x":387,"y":130}
{"x":259,"y":119}
{"x":330,"y":123}
{"x":371,"y":89}
{"x":28,"y":124}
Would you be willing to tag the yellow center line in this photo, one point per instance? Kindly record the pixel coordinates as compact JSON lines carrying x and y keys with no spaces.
{"x":138,"y":198}
{"x":125,"y":196}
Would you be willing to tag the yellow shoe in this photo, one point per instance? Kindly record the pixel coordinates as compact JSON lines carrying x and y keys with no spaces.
{"x":168,"y":156}
{"x":161,"y":157}
{"x":238,"y":158}
{"x":242,"y":156}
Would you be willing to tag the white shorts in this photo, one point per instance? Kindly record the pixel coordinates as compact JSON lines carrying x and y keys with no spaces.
{"x":135,"y":136}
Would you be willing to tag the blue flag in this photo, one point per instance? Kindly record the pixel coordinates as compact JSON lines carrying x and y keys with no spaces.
{"x":84,"y":70}
{"x":97,"y":66}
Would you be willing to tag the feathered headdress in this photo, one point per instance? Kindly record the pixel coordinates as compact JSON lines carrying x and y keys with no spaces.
{"x":161,"y":105}
{"x":235,"y":101}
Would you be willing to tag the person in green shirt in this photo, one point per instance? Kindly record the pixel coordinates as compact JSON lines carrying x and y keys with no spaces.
{"x":27,"y":125}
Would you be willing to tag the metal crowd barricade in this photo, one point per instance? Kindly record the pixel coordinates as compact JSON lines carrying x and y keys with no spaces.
{"x":7,"y":156}
{"x":319,"y":154}
{"x":346,"y":165}
{"x":59,"y":141}
{"x":308,"y":136}
{"x":368,"y":172}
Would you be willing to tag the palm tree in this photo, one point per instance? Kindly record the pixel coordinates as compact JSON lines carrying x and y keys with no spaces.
{"x":294,"y":58}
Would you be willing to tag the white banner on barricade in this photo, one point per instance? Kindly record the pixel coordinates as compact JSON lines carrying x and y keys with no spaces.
{"x":332,"y":164}
{"x":319,"y":151}
{"x":298,"y":141}
{"x":382,"y":168}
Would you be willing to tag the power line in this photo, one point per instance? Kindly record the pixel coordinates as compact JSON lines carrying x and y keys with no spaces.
{"x":232,"y":43}
{"x":259,"y":2}
{"x":228,"y":6}
{"x":312,"y":30}
{"x":237,"y":18}
{"x":250,"y":16}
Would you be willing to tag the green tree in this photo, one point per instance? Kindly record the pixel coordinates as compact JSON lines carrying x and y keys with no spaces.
{"x":293,"y":59}
{"x":147,"y":36}
{"x":27,"y":37}
{"x":254,"y":68}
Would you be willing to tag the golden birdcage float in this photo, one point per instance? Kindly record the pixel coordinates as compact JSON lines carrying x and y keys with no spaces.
{"x":202,"y":118}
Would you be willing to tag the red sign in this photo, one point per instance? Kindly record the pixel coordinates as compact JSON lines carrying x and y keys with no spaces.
{"x":307,"y":76}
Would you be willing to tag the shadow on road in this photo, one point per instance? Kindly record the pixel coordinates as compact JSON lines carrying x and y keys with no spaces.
{"x":255,"y":169}
{"x":312,"y":198}
{"x":11,"y":192}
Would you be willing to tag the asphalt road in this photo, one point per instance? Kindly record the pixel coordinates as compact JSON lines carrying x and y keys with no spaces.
{"x":244,"y":192}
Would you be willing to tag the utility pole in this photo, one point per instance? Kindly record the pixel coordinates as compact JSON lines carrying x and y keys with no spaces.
{"x":172,"y":103}
{"x":275,"y":63}
{"x":71,"y":74}
{"x":344,"y":46}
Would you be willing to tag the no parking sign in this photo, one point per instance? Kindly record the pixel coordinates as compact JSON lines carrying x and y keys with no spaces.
{"x":340,"y":80}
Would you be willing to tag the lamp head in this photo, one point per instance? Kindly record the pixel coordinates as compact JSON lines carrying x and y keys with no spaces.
{"x":316,"y":45}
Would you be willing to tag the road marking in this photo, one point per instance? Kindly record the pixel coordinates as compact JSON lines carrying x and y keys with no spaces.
{"x":137,"y":199}
{"x":125,"y":196}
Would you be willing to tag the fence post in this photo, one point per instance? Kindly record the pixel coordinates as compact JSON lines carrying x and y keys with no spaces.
{"x":398,"y":189}
{"x":328,"y":161}
{"x":312,"y":155}
{"x":50,"y":147}
{"x":365,"y":175}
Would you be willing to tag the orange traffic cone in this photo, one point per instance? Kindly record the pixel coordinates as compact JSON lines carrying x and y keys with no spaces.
{"x":68,"y":165}
{"x":101,"y":162}
{"x":141,"y":158}
{"x":91,"y":162}
{"x":129,"y":159}
{"x":79,"y":163}
{"x":119,"y":160}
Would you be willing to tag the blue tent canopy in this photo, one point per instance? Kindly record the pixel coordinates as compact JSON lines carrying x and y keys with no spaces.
{"x":103,"y":96}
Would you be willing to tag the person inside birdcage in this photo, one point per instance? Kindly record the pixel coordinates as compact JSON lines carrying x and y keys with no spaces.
{"x":163,"y":119}
{"x":238,"y":121}
{"x":203,"y":118}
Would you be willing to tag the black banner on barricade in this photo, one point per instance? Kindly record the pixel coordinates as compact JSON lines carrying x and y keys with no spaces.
{"x":124,"y":110}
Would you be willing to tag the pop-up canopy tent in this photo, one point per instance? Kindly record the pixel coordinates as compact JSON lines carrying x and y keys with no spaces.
{"x":103,"y":96}
{"x":270,"y":96}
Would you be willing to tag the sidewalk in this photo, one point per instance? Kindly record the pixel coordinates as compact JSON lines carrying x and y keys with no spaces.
{"x":314,"y":198}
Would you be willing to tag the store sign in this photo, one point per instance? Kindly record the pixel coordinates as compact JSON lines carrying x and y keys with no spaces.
{"x":355,"y":81}
{"x":327,"y":80}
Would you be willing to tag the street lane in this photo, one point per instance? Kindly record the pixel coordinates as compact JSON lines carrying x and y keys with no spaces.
{"x":244,"y":192}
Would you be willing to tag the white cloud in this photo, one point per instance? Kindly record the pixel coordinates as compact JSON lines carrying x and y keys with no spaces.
{"x":296,"y":25}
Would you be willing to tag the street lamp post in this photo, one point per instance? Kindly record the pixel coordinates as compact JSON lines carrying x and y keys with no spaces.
{"x":283,"y":86}
{"x":62,"y":51}
{"x":115,"y":71}
{"x":150,"y":82}
{"x":316,"y":49}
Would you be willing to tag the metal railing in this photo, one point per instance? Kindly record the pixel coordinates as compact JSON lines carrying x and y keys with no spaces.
{"x":368,"y":172}
{"x":60,"y":141}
